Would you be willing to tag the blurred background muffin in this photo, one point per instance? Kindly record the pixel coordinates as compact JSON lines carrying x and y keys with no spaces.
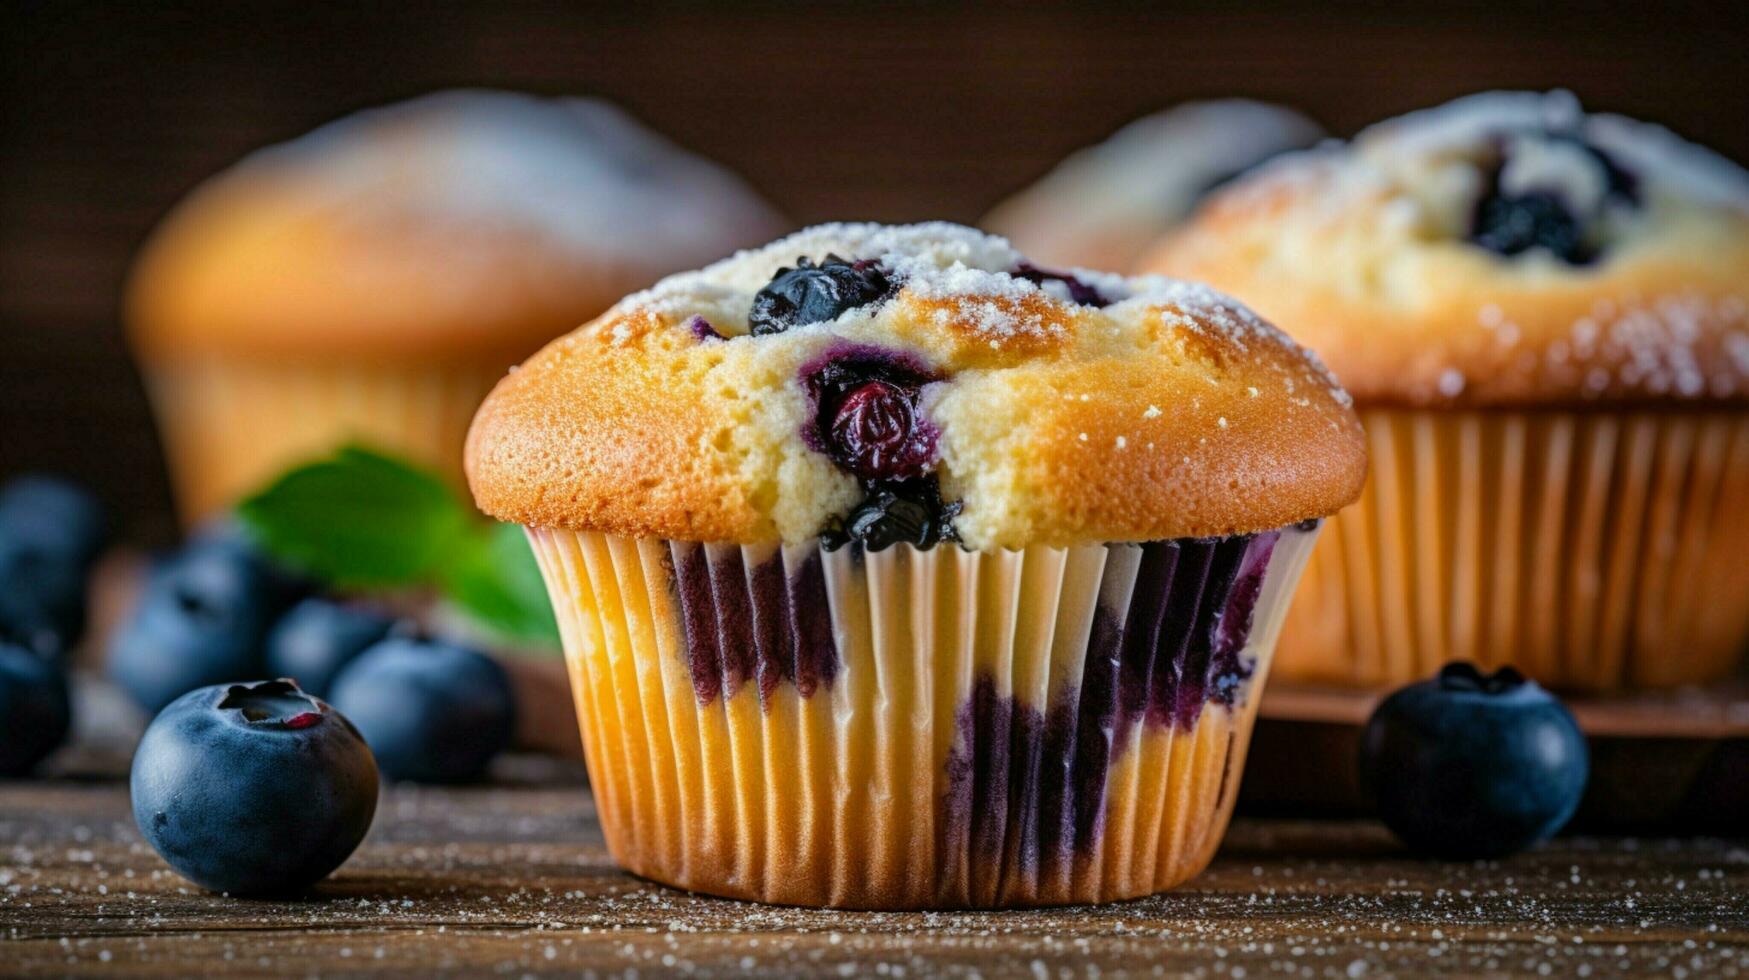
{"x":1543,"y":315}
{"x":1105,"y":204}
{"x":369,"y":281}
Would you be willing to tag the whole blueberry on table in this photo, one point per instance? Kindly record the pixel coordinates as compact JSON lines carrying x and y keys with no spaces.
{"x":253,"y":789}
{"x":201,"y":619}
{"x":431,"y":712}
{"x":34,"y":711}
{"x":319,"y":636}
{"x":51,"y":532}
{"x":1469,"y":765}
{"x":56,"y":515}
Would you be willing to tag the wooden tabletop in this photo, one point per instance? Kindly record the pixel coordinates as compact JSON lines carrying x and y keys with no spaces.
{"x":514,"y":879}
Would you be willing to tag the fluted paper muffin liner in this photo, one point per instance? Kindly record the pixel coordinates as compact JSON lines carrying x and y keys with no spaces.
{"x":917,"y":729}
{"x":1592,"y":550}
{"x":230,"y":424}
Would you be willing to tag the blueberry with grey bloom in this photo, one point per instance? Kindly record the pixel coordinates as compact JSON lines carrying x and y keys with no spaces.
{"x":1472,"y":765}
{"x":202,"y":619}
{"x":51,"y":533}
{"x":431,"y":712}
{"x":319,"y":636}
{"x":253,"y":789}
{"x":34,"y":709}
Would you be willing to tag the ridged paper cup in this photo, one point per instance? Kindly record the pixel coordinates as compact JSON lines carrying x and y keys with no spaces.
{"x":230,"y":424}
{"x":911,"y":729}
{"x":1592,"y":550}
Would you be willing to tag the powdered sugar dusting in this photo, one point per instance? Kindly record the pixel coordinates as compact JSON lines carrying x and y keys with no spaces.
{"x":938,"y":261}
{"x":1477,"y":124}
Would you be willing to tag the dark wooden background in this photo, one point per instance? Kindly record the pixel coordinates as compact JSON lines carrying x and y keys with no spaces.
{"x":110,"y":112}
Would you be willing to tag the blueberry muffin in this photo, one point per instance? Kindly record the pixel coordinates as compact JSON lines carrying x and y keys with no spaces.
{"x":1104,"y":205}
{"x":372,"y":279}
{"x":1543,"y":315}
{"x":897,"y":572}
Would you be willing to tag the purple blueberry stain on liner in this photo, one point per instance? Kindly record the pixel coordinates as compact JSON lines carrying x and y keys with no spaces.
{"x":793,"y":627}
{"x":1026,"y":789}
{"x":740,"y":622}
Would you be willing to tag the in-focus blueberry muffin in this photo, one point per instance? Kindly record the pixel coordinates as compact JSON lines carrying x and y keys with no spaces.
{"x":1543,"y":315}
{"x":372,"y":279}
{"x":1105,"y":204}
{"x":896,"y":572}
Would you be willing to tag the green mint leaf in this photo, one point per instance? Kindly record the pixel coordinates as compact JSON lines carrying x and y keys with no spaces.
{"x":360,"y":519}
{"x":493,"y":578}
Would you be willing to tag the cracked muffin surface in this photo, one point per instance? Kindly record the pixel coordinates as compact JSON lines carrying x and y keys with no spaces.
{"x":914,"y":384}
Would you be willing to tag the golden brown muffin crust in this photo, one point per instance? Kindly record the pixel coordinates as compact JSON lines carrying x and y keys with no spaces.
{"x":1171,"y":412}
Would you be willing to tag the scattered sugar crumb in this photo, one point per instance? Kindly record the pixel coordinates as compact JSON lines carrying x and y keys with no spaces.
{"x":1451,"y":382}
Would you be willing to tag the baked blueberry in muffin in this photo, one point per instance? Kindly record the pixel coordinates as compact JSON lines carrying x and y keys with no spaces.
{"x":1543,"y":314}
{"x":926,"y":577}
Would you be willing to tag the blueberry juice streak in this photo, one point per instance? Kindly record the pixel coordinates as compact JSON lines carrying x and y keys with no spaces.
{"x":1026,"y":789}
{"x":748,"y":618}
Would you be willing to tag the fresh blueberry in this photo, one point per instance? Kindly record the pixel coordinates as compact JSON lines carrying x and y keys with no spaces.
{"x":432,"y":712}
{"x":1470,"y":766}
{"x":42,"y":598}
{"x":1510,"y":224}
{"x":34,"y":710}
{"x":55,"y":516}
{"x":51,"y":533}
{"x":229,"y":538}
{"x":253,"y":789}
{"x":202,"y":619}
{"x":1078,"y":291}
{"x":812,"y":293}
{"x":318,"y":637}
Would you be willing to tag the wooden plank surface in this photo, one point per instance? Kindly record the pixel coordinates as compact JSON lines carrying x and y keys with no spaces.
{"x":514,"y":879}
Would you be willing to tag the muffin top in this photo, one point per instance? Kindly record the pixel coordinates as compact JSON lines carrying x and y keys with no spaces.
{"x":1104,"y":205}
{"x":914,"y":384}
{"x":1506,"y":249}
{"x":460,"y":224}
